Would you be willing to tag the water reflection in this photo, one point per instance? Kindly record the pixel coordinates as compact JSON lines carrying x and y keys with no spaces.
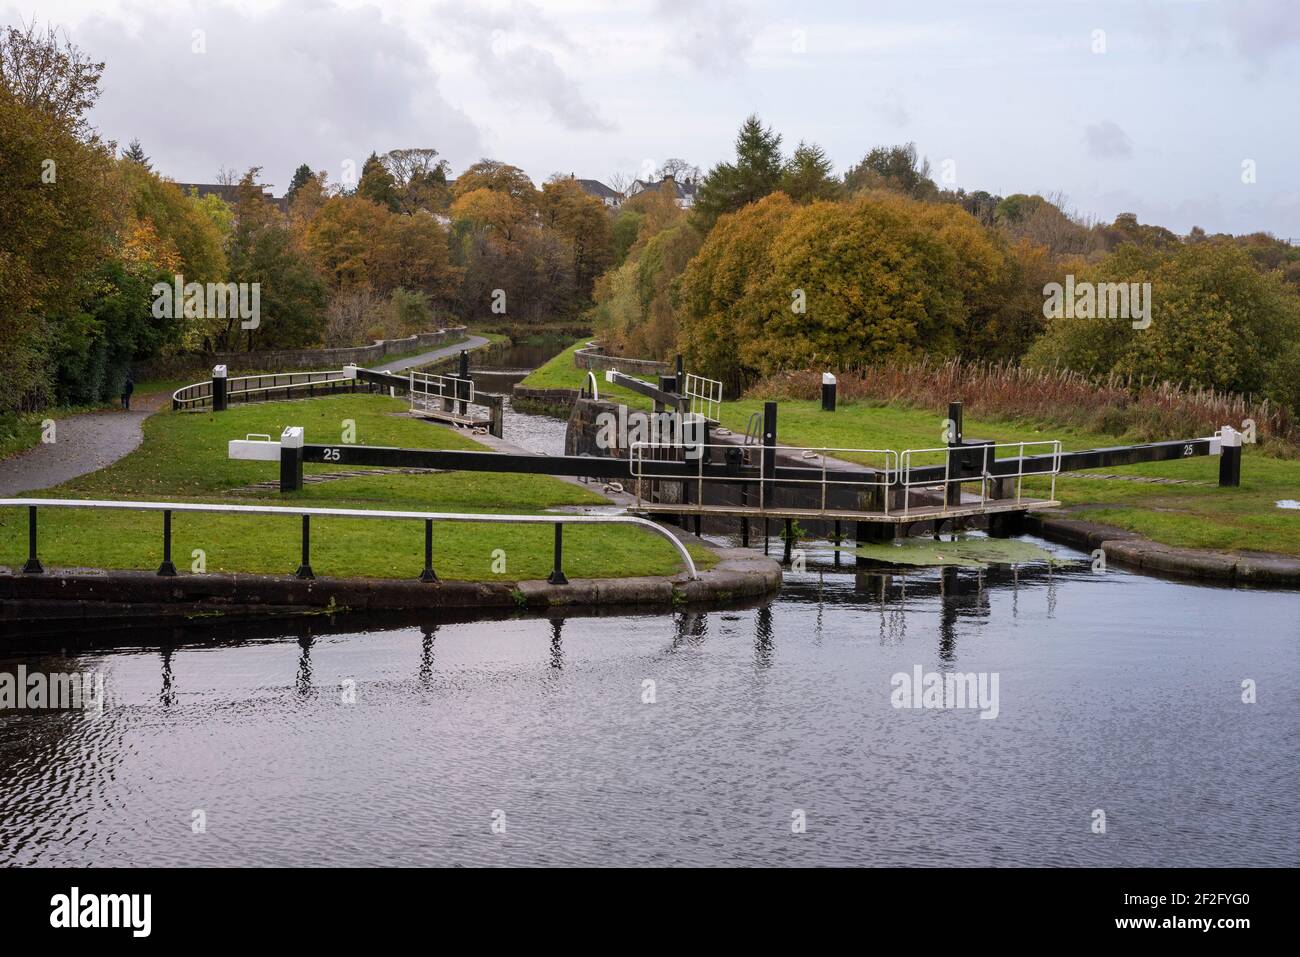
{"x":427,"y":633}
{"x":557,"y":644}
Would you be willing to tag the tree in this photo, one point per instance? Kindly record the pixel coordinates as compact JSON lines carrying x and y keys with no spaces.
{"x":59,"y":211}
{"x":498,"y":177}
{"x":678,"y":169}
{"x":756,"y":172}
{"x":49,"y":75}
{"x":583,"y":224}
{"x":897,"y":168}
{"x":262,"y":250}
{"x":377,"y":184}
{"x":135,"y":153}
{"x":1216,"y":322}
{"x":420,"y":178}
{"x":496,"y":211}
{"x":627,"y":224}
{"x":836,"y":285}
{"x":808,"y":175}
{"x":357,"y":244}
{"x":301,"y":176}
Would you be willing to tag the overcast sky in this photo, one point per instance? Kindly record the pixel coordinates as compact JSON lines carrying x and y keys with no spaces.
{"x":1013,"y":93}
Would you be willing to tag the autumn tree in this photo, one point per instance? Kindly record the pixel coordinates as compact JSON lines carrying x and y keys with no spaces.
{"x":1216,"y":322}
{"x":583,"y":224}
{"x":377,"y":184}
{"x":59,"y":214}
{"x":420,"y":178}
{"x":263,"y":251}
{"x":500,"y":178}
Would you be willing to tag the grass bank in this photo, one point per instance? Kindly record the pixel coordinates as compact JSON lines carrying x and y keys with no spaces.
{"x":559,"y":372}
{"x":183,"y":457}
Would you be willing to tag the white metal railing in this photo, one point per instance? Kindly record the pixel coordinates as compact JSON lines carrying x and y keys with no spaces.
{"x":427,"y":389}
{"x":470,"y":517}
{"x":646,"y":459}
{"x":988,"y":455}
{"x":705,"y":395}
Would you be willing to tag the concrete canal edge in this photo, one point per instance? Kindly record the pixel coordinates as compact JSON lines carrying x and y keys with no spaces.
{"x":1131,"y":550}
{"x":94,"y":594}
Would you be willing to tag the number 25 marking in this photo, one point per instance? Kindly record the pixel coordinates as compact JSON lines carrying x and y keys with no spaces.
{"x":332,"y":455}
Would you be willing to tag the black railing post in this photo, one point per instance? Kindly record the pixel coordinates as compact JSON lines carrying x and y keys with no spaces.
{"x":952,"y":490}
{"x":428,"y":575}
{"x":167,"y":568}
{"x":789,"y":539}
{"x":1230,"y":459}
{"x":839,"y":540}
{"x":33,"y":564}
{"x":769,"y":457}
{"x":557,"y":573}
{"x":462,"y":386}
{"x":304,"y":570}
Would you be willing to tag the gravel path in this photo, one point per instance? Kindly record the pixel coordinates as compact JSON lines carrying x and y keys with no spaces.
{"x":473,"y":342}
{"x":83,"y":443}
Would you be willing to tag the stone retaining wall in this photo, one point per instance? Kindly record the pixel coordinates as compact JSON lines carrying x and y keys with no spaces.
{"x":1133,"y":551}
{"x":285,"y":360}
{"x":85,"y":594}
{"x":593,"y":358}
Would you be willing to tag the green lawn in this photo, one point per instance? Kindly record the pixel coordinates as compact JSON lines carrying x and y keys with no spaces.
{"x":183,"y":458}
{"x":559,"y":372}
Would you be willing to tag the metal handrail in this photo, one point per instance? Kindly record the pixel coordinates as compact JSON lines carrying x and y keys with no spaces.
{"x":988,"y":451}
{"x":884,"y":478}
{"x":436,"y":387}
{"x":239,"y":385}
{"x":705,"y":395}
{"x":490,"y":517}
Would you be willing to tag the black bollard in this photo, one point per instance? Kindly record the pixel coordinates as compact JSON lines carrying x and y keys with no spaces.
{"x":828,"y":392}
{"x":218,"y":388}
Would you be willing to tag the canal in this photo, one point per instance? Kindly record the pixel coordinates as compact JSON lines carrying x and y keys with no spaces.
{"x":688,"y":738}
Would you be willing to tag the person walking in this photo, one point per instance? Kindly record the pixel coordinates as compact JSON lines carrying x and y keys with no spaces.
{"x":127,"y":388}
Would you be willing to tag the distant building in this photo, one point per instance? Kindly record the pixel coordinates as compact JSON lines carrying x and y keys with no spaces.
{"x":685,"y":189}
{"x":595,"y":188}
{"x":230,"y":194}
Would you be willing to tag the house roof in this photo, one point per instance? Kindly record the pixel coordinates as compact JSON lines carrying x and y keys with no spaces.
{"x":685,"y":187}
{"x":229,"y":194}
{"x":594,"y":187}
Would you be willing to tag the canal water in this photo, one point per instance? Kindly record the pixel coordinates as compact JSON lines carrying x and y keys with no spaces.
{"x":689,"y":738}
